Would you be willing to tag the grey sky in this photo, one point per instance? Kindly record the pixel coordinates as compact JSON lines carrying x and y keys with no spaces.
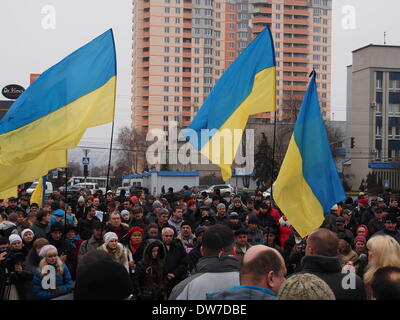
{"x":28,"y":48}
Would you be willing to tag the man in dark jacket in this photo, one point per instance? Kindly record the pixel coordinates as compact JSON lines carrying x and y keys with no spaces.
{"x":41,"y":225}
{"x":115,"y":225}
{"x":85,"y":225}
{"x":390,"y":227}
{"x":176,"y":262}
{"x":342,"y":232}
{"x":95,"y":241}
{"x":321,"y":260}
{"x":218,"y":269}
{"x":261,"y":275}
{"x":376,"y":223}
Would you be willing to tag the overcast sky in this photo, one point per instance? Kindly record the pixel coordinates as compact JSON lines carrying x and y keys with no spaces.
{"x":27,"y":47}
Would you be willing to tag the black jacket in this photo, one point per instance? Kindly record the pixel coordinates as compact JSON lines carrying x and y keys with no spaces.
{"x":176,"y":263}
{"x":329,"y":270}
{"x":384,"y":232}
{"x":85,"y":228}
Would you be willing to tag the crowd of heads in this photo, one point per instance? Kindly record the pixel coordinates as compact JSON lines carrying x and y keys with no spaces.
{"x":154,"y":243}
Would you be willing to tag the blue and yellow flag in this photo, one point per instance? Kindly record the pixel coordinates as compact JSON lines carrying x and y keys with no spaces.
{"x":38,"y":194}
{"x":54,"y":112}
{"x":308,"y":184}
{"x":247,"y":87}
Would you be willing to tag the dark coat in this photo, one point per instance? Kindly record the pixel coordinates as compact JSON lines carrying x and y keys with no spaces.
{"x":121,"y":232}
{"x":384,"y":232}
{"x":176,"y":262}
{"x":374,"y":226}
{"x":85,"y":228}
{"x":243,"y":293}
{"x":40,"y":230}
{"x":265,"y":219}
{"x":329,"y":270}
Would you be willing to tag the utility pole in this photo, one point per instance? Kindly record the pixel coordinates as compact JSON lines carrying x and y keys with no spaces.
{"x":384,"y":37}
{"x":85,"y":166}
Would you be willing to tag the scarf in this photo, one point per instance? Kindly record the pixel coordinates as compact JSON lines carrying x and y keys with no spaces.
{"x":134,"y":247}
{"x":74,"y":240}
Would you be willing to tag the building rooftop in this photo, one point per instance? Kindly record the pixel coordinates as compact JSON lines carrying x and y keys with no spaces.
{"x":376,"y":45}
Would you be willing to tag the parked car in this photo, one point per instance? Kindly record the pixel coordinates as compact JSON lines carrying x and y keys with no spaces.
{"x":91,"y":186}
{"x":135,"y":190}
{"x":197,"y":189}
{"x":48,"y":190}
{"x":127,"y":191}
{"x":222,"y":187}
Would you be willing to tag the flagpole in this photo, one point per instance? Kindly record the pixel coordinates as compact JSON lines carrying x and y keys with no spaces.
{"x":273,"y":159}
{"x":112,"y":126}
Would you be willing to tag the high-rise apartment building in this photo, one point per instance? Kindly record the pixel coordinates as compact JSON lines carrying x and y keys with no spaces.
{"x":182,"y":47}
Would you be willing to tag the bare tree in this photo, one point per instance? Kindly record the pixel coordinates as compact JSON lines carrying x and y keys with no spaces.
{"x":132,"y":153}
{"x":291,"y":104}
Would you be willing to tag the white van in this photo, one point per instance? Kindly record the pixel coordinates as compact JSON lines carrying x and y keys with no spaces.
{"x":91,"y":186}
{"x":48,"y":191}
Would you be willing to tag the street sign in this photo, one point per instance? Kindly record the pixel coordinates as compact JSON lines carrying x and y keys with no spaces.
{"x":55,"y":174}
{"x":386,"y":183}
{"x":85,"y":160}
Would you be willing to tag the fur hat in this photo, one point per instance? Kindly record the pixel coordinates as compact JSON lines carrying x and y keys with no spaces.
{"x":14,"y":238}
{"x":109,"y":236}
{"x":125,"y":213}
{"x":305,"y":287}
{"x":102,"y":280}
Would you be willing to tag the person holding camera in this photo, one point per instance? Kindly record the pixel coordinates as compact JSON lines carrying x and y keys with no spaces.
{"x":52,"y":279}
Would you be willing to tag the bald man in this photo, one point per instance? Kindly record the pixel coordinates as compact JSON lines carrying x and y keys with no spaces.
{"x":261,"y":275}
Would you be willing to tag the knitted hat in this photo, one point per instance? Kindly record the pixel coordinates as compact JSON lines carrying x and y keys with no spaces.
{"x":125,"y":213}
{"x":135,"y":229}
{"x":234,"y":215}
{"x":360,"y":239}
{"x":253,"y":220}
{"x":391,"y":218}
{"x":363,"y":201}
{"x":109,"y":236}
{"x":45,"y":249}
{"x":305,"y":287}
{"x":102,"y":280}
{"x":221,"y":205}
{"x":25,"y":231}
{"x":14,"y":238}
{"x":157,"y":204}
{"x":334,"y":207}
{"x":365,"y":228}
{"x":199,"y":230}
{"x":191,"y":203}
{"x":186,"y":223}
{"x":134,"y":199}
{"x":340,"y":220}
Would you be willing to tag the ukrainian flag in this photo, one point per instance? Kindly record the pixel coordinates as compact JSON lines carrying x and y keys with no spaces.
{"x":38,"y":194}
{"x":308,"y":184}
{"x":247,"y":87}
{"x":54,"y":112}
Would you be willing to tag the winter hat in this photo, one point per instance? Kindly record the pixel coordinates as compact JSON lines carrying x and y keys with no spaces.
{"x":186,"y":223}
{"x":109,"y":236}
{"x":253,"y":220}
{"x":340,"y":220}
{"x":221,"y":205}
{"x":365,"y":228}
{"x":14,"y":238}
{"x":199,"y":230}
{"x":135,"y":229}
{"x":134,"y":199}
{"x":81,"y":199}
{"x":191,"y":203}
{"x":57,"y":226}
{"x":240,"y":232}
{"x":360,"y":239}
{"x":334,"y":207}
{"x":391,"y":218}
{"x":45,"y":249}
{"x":102,"y":280}
{"x":25,"y":231}
{"x":363,"y":201}
{"x":234,"y":215}
{"x":125,"y":213}
{"x":284,"y":223}
{"x":305,"y":287}
{"x":157,"y":204}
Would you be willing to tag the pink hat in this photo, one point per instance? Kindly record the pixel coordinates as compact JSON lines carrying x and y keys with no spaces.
{"x":359,"y":239}
{"x":45,"y":249}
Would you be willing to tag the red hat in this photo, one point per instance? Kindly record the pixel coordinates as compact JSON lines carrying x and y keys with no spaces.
{"x":363,"y":201}
{"x":366,"y":229}
{"x":134,"y":199}
{"x":191,"y":203}
{"x":134,"y":229}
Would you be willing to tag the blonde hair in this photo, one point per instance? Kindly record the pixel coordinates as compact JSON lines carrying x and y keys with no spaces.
{"x":59,"y":264}
{"x":385,"y":252}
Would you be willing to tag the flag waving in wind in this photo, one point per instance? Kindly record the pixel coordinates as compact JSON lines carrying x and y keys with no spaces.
{"x":247,"y":87}
{"x":53,"y":113}
{"x":38,"y":194}
{"x":308,"y":184}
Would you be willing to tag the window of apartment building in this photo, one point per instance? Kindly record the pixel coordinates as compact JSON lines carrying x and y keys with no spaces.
{"x":218,"y":15}
{"x":325,"y":31}
{"x":196,"y":70}
{"x":196,"y":21}
{"x":317,"y":30}
{"x":232,"y":16}
{"x":208,"y":41}
{"x":196,"y":90}
{"x":324,"y":58}
{"x":208,"y":60}
{"x":324,"y":49}
{"x":166,"y":79}
{"x":177,"y":30}
{"x":278,"y":7}
{"x":196,"y":60}
{"x":177,"y":50}
{"x":167,"y":1}
{"x":176,"y":89}
{"x":166,"y":59}
{"x":208,"y":22}
{"x":231,"y":36}
{"x":208,"y":51}
{"x":277,"y":26}
{"x":177,"y":40}
{"x":317,"y":39}
{"x":197,"y":2}
{"x":176,"y":99}
{"x":231,"y":54}
{"x":317,"y":20}
{"x":277,"y":45}
{"x":176,"y":108}
{"x":324,"y":77}
{"x":394,"y":80}
{"x":166,"y":19}
{"x":165,"y":129}
{"x":196,"y":99}
{"x":207,"y":90}
{"x":166,"y":49}
{"x":217,"y":44}
{"x":217,"y":34}
{"x":218,"y":5}
{"x":232,"y":6}
{"x":177,"y":10}
{"x":165,"y":118}
{"x":166,"y":69}
{"x":178,"y":1}
{"x":196,"y":80}
{"x":177,"y":69}
{"x":177,"y":60}
{"x":166,"y":98}
{"x":325,"y":40}
{"x":278,"y":54}
{"x":325,"y":21}
{"x":316,"y":48}
{"x":207,"y":70}
{"x":166,"y":29}
{"x":166,"y":39}
{"x":197,"y":12}
{"x":208,"y":32}
{"x":176,"y":79}
{"x":278,"y":16}
{"x":177,"y":20}
{"x":217,"y":72}
{"x":197,"y":41}
{"x":277,"y":35}
{"x":166,"y":9}
{"x":324,"y":67}
{"x":165,"y":108}
{"x":231,"y":45}
{"x":166,"y":89}
{"x":208,"y":12}
{"x":317,"y":11}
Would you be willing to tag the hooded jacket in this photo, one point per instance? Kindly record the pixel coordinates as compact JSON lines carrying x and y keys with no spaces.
{"x":212,"y":274}
{"x":148,"y":269}
{"x":243,"y":293}
{"x":329,"y":269}
{"x":40,"y":230}
{"x":8,"y":228}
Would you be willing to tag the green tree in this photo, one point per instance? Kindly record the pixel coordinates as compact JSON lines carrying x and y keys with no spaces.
{"x":263,"y":163}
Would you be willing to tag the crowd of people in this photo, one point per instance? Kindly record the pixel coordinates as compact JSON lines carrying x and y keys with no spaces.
{"x":188,"y":246}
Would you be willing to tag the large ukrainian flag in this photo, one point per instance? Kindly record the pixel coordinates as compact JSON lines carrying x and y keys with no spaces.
{"x":308,"y":184}
{"x":54,"y":112}
{"x":247,"y":87}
